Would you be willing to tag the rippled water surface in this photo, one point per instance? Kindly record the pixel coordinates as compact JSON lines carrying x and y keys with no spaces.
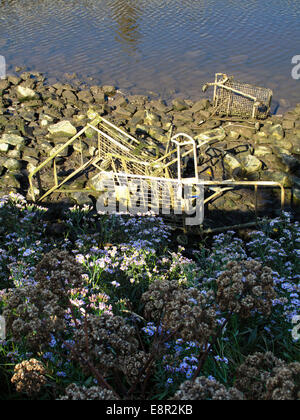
{"x":170,"y":47}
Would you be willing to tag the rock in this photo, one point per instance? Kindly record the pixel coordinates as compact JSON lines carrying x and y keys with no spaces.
{"x":260,"y":151}
{"x":276,"y":131}
{"x":4,"y":147}
{"x":78,"y":147}
{"x":25,"y":93}
{"x":14,"y":80}
{"x":12,"y":164}
{"x":62,"y":129}
{"x":4,"y":85}
{"x":85,"y":96}
{"x":288,"y":124}
{"x":296,"y":198}
{"x":81,"y":198}
{"x":232,"y":165}
{"x":63,"y":153}
{"x":290,"y":162}
{"x":201,"y":105}
{"x":251,"y":164}
{"x":158,"y":134}
{"x":151,"y":118}
{"x":179,"y":104}
{"x":277,"y":176}
{"x":215,"y":134}
{"x":98,"y":94}
{"x":261,"y":138}
{"x":243,"y":131}
{"x":296,"y":146}
{"x":69,"y":97}
{"x":12,"y":139}
{"x":284,"y":147}
{"x":109,"y":90}
{"x":15,"y":154}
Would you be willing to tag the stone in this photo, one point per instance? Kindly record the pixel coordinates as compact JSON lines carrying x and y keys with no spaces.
{"x":4,"y":85}
{"x":4,"y":147}
{"x":63,"y":153}
{"x":243,"y":131}
{"x":251,"y":164}
{"x":12,"y":139}
{"x":109,"y":90}
{"x":201,"y":105}
{"x":232,"y":165}
{"x":215,"y":134}
{"x":277,"y":176}
{"x":179,"y":104}
{"x":288,"y":124}
{"x":296,"y":146}
{"x":276,"y":131}
{"x":296,"y":197}
{"x":158,"y":134}
{"x":290,"y":163}
{"x":62,"y":129}
{"x":70,"y":97}
{"x":15,"y":154}
{"x":25,"y":93}
{"x":78,"y":147}
{"x":81,"y":198}
{"x":12,"y":164}
{"x":260,"y":151}
{"x":151,"y":117}
{"x":85,"y":96}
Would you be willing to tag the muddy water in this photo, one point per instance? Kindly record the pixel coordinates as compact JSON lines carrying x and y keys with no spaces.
{"x":166,"y":46}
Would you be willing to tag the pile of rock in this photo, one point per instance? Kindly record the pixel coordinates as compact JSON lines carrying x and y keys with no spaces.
{"x":36,"y":119}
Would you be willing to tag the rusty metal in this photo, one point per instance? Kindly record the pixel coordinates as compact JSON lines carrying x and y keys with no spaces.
{"x":237,"y":99}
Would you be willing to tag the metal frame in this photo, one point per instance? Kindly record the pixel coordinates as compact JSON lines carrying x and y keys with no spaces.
{"x":116,"y":155}
{"x":234,"y":98}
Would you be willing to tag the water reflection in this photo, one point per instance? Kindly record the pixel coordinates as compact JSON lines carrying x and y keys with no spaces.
{"x":126,"y":15}
{"x":168,"y":46}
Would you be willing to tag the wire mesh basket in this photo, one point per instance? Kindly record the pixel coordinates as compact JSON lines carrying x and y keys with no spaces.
{"x":237,"y":99}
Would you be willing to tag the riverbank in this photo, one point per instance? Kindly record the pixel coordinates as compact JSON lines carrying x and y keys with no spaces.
{"x":30,"y":110}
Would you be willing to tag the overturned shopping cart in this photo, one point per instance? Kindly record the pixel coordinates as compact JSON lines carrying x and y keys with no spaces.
{"x":137,"y":177}
{"x":236,"y":99}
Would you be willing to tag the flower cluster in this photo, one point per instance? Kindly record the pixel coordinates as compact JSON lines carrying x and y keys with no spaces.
{"x":206,"y":389}
{"x":29,"y":376}
{"x":246,"y":287}
{"x":185,"y":312}
{"x":81,"y":393}
{"x":104,"y":341}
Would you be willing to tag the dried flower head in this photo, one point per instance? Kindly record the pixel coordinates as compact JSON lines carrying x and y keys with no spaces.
{"x":33,"y":314}
{"x":186,"y":312}
{"x":132,"y":364}
{"x":253,"y":374}
{"x":58,"y":272}
{"x":81,"y":393}
{"x":104,"y":341}
{"x":284,"y":383}
{"x":29,"y":377}
{"x":206,"y":389}
{"x":246,"y":286}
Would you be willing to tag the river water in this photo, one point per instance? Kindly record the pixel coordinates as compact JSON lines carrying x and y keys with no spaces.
{"x":169,"y":47}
